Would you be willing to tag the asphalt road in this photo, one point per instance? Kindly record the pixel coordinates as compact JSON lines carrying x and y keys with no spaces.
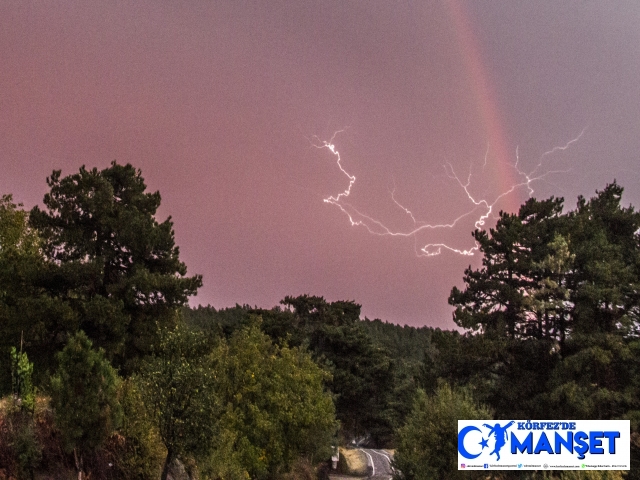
{"x":380,"y":461}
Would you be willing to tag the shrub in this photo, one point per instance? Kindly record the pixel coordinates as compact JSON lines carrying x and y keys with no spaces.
{"x":427,"y":443}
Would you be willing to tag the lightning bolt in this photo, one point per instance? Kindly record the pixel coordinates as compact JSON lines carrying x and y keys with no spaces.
{"x":480,"y":207}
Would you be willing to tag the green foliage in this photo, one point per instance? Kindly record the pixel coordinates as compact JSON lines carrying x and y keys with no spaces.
{"x":509,"y":375}
{"x":495,"y":298}
{"x":20,"y":264}
{"x":363,"y":373}
{"x":557,"y":307}
{"x":546,"y":274}
{"x":84,"y":397}
{"x":363,"y":380}
{"x":403,"y":342}
{"x":137,"y":448}
{"x":179,"y":386}
{"x":552,"y":320}
{"x":597,"y":379}
{"x":21,"y":450}
{"x":223,"y":322}
{"x":428,"y":443}
{"x":15,"y":235}
{"x":408,"y":347}
{"x":27,"y":448}
{"x":243,"y":408}
{"x":110,"y":261}
{"x":372,"y":390}
{"x":275,"y":409}
{"x":21,"y":380}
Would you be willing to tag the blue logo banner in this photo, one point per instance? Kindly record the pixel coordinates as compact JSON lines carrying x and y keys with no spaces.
{"x":544,"y":444}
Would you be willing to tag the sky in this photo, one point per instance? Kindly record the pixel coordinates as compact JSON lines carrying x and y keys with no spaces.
{"x":441,"y":112}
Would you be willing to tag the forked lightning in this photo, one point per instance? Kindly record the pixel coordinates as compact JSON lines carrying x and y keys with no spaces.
{"x":376,"y":227}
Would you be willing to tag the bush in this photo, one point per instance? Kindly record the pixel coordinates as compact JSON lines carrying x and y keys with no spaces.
{"x":275,"y":409}
{"x":21,"y":384}
{"x":84,"y":397}
{"x":136,"y":449}
{"x":20,"y":448}
{"x":428,"y":442}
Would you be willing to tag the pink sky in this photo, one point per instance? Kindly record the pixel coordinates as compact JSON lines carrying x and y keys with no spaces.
{"x":218,"y":104}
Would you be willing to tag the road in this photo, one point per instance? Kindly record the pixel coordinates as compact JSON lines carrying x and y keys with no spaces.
{"x":380,"y":461}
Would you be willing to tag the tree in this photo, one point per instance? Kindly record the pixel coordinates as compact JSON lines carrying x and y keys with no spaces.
{"x":137,"y":449}
{"x":275,"y":409}
{"x":557,"y":309}
{"x":110,"y":260}
{"x":21,"y":262}
{"x":363,"y":373}
{"x":546,"y":274}
{"x":428,"y":443}
{"x":20,"y":435}
{"x":84,"y":398}
{"x":495,"y":298}
{"x":21,"y":380}
{"x":370,"y":388}
{"x":179,"y":386}
{"x":242,"y":408}
{"x":549,"y":301}
{"x":15,"y":235}
{"x":606,"y":277}
{"x":598,"y":378}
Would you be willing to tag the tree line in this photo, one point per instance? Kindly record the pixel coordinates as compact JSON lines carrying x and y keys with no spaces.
{"x":96,"y":347}
{"x":551,"y":331}
{"x":96,"y":330}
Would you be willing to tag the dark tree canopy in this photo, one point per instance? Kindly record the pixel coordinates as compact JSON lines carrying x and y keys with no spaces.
{"x":546,"y":274}
{"x":84,"y":397}
{"x":556,"y":306}
{"x":111,"y":260}
{"x":370,"y":387}
{"x":28,"y":315}
{"x":495,"y":298}
{"x":552,"y":320}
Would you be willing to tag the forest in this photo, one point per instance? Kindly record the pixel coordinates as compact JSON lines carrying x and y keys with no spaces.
{"x":107,"y":372}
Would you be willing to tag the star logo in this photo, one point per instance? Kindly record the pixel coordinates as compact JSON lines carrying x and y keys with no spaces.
{"x":484,"y":443}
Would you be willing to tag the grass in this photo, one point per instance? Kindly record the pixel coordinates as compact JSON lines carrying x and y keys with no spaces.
{"x":352,"y":462}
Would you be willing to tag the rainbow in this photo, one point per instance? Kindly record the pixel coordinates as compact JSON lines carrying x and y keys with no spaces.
{"x":486,"y":105}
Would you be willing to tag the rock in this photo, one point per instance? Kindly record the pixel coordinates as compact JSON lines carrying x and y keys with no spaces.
{"x":177,"y":471}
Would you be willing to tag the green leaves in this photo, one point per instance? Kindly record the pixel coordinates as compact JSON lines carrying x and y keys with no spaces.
{"x":240,"y":407}
{"x":546,"y":274}
{"x":15,"y":235}
{"x":113,"y":263}
{"x":21,"y":380}
{"x":275,"y":405}
{"x":427,"y":444}
{"x":84,"y":395}
{"x":558,"y":299}
{"x":178,"y":385}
